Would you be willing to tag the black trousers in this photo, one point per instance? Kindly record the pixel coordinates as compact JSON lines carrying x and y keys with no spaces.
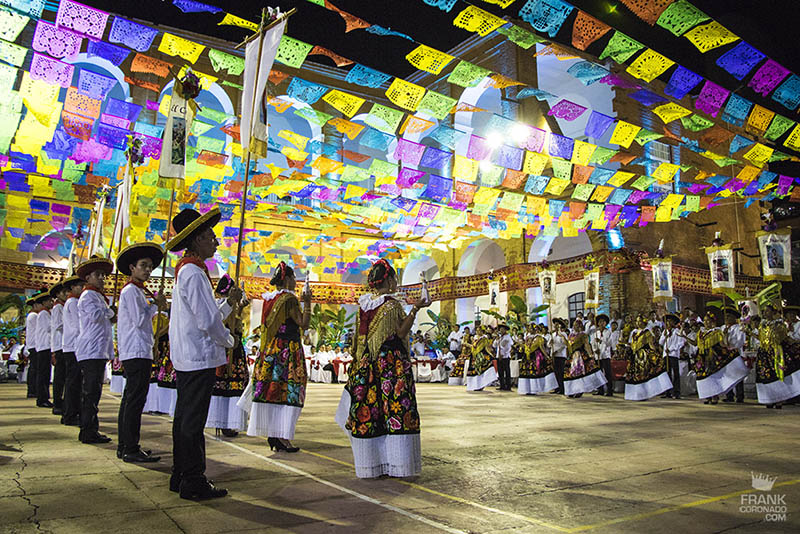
{"x":91,"y":389}
{"x":329,"y":367}
{"x":674,"y":370}
{"x":739,"y":389}
{"x":59,"y":380}
{"x":33,"y":365}
{"x":43,"y":377}
{"x":191,"y":412}
{"x":129,"y":422}
{"x":605,"y":366}
{"x":504,"y":373}
{"x":558,"y":364}
{"x":72,"y":388}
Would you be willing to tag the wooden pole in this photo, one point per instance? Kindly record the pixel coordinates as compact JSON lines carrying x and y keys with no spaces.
{"x":166,"y":239}
{"x":116,"y":224}
{"x":267,"y":27}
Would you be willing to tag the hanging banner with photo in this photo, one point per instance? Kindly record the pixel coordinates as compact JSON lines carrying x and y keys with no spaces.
{"x":494,"y":292}
{"x":591,"y":289}
{"x":547,"y":282}
{"x":776,"y":254}
{"x":179,"y":124}
{"x":662,"y":279}
{"x":720,"y":263}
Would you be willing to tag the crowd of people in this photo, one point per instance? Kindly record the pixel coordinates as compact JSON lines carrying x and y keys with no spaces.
{"x":187,"y":358}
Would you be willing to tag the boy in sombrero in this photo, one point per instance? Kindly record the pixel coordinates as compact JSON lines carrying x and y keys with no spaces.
{"x":198,"y":339}
{"x":30,"y":342}
{"x":43,"y":353}
{"x":135,"y":344}
{"x":59,"y":293}
{"x":72,"y":385}
{"x":94,"y":346}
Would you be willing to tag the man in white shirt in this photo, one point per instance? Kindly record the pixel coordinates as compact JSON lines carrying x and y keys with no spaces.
{"x":94,"y":345}
{"x":43,"y":353}
{"x":653,"y":322}
{"x":454,"y":340}
{"x":673,"y":341}
{"x":735,"y":340}
{"x":74,"y":378}
{"x":601,"y":344}
{"x":793,"y":321}
{"x":135,"y":342}
{"x":198,"y":340}
{"x":504,"y":345}
{"x":59,"y":293}
{"x":30,"y":342}
{"x":558,"y":348}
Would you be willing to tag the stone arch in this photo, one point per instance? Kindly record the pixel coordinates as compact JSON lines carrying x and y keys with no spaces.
{"x":482,"y":256}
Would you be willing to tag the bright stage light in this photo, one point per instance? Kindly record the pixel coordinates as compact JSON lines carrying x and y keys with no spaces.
{"x":494,"y":140}
{"x":520,"y":132}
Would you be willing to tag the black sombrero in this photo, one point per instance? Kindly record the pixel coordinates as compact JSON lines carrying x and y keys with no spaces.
{"x":94,"y":264}
{"x":71,"y":281}
{"x":189,"y":222}
{"x":33,"y":299}
{"x":673,"y":317}
{"x":133,"y":253}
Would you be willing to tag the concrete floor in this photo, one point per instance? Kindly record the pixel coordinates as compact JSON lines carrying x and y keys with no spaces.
{"x":492,"y":462}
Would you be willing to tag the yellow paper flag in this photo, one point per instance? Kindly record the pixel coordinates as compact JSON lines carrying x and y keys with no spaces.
{"x":465,"y":169}
{"x":649,"y":65}
{"x":429,"y":59}
{"x":172,"y":45}
{"x":233,"y":20}
{"x":670,"y":112}
{"x":710,"y":36}
{"x":620,"y":177}
{"x":405,"y":94}
{"x":534,"y":163}
{"x":624,"y":133}
{"x":582,"y":152}
{"x":665,"y":172}
{"x":759,"y":155}
{"x":346,"y":103}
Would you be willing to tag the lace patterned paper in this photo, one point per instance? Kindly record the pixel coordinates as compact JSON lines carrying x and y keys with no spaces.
{"x":444,"y":5}
{"x":112,"y":53}
{"x":680,"y":16}
{"x":624,"y":133}
{"x":586,"y":72}
{"x":597,"y":125}
{"x":710,"y":36}
{"x":491,"y":175}
{"x":408,"y":152}
{"x":475,"y":19}
{"x":498,"y":81}
{"x":405,"y":94}
{"x":172,"y":45}
{"x":305,"y":91}
{"x":434,"y":158}
{"x":90,"y":151}
{"x":534,"y":163}
{"x":546,"y":16}
{"x":759,"y":119}
{"x":190,"y":6}
{"x":122,"y":109}
{"x":414,"y":125}
{"x":439,"y":189}
{"x":436,"y":104}
{"x":428,"y":59}
{"x":587,"y":30}
{"x":788,"y":94}
{"x":81,"y":19}
{"x":120,"y":122}
{"x":112,"y":136}
{"x":81,"y":104}
{"x":711,"y":98}
{"x":567,"y":110}
{"x":758,"y":155}
{"x":467,"y":75}
{"x":620,"y":47}
{"x":340,"y":61}
{"x":345,"y":103}
{"x":736,"y":110}
{"x":384,"y":119}
{"x":131,"y":34}
{"x":696,"y":123}
{"x":446,"y":136}
{"x":478,"y":149}
{"x":560,"y":146}
{"x":649,"y":65}
{"x":646,"y":98}
{"x":681,"y":82}
{"x":233,"y":65}
{"x":778,"y":127}
{"x":312,"y":115}
{"x":95,"y":85}
{"x":768,"y":77}
{"x":55,"y":42}
{"x":793,"y":141}
{"x":12,"y":53}
{"x":740,"y":60}
{"x":535,"y":140}
{"x":647,"y":10}
{"x":51,"y":70}
{"x":366,"y":77}
{"x":582,"y":152}
{"x":351,"y":21}
{"x":510,"y":157}
{"x":233,"y":20}
{"x":11,"y":25}
{"x":465,"y":168}
{"x":520,"y":36}
{"x":292,"y":52}
{"x":32,"y":8}
{"x":151,"y":146}
{"x":150,"y":65}
{"x":33,"y":89}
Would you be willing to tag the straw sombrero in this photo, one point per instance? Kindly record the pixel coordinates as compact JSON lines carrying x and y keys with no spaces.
{"x":188,"y":223}
{"x":673,"y":317}
{"x":560,"y":321}
{"x":58,"y":286}
{"x":71,"y":281}
{"x":94,"y":264}
{"x":33,"y":299}
{"x":134,"y":253}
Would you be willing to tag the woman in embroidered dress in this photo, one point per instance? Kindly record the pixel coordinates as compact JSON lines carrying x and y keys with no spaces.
{"x":777,"y":361}
{"x":581,"y":373}
{"x":378,"y":409}
{"x":536,"y":372}
{"x":279,"y":376}
{"x":646,"y":375}
{"x":457,"y":373}
{"x":481,"y":371}
{"x":717,"y":368}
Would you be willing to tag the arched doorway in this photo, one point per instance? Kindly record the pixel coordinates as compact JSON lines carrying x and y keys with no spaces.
{"x":481,"y":257}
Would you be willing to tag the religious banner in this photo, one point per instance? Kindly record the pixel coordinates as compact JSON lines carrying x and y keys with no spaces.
{"x":662,"y":279}
{"x":494,"y":293}
{"x":179,"y":123}
{"x":547,"y":282}
{"x":259,"y":56}
{"x":776,"y":254}
{"x":720,"y":263}
{"x":591,"y":289}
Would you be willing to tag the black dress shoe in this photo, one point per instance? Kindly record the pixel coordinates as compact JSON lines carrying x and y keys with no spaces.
{"x":200,"y":492}
{"x":58,"y":411}
{"x":610,"y":394}
{"x":97,"y":438}
{"x":140,"y":457}
{"x":45,"y":404}
{"x":229,"y":433}
{"x":71,"y":422}
{"x":119,"y":451}
{"x":175,"y":483}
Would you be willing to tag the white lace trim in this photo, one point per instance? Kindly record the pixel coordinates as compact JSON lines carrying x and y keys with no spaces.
{"x":271,"y":295}
{"x":371,"y":301}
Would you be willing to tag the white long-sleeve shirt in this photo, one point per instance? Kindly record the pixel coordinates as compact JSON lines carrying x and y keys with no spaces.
{"x":43,"y":330}
{"x":71,"y":325}
{"x":672,"y":343}
{"x":135,"y":324}
{"x":95,"y":341}
{"x":794,"y":331}
{"x":504,"y":345}
{"x":558,"y":344}
{"x":197,"y":336}
{"x":455,"y":340}
{"x":30,"y":331}
{"x":56,"y":326}
{"x":601,"y":344}
{"x":613,"y":338}
{"x":735,"y":338}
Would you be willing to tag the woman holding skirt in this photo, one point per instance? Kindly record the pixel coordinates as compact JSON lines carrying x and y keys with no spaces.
{"x":457,"y":373}
{"x":718,"y":369}
{"x":646,"y":375}
{"x":777,"y":362}
{"x":481,"y":371}
{"x":536,"y":373}
{"x":581,"y":373}
{"x":378,"y":409}
{"x":279,"y":374}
